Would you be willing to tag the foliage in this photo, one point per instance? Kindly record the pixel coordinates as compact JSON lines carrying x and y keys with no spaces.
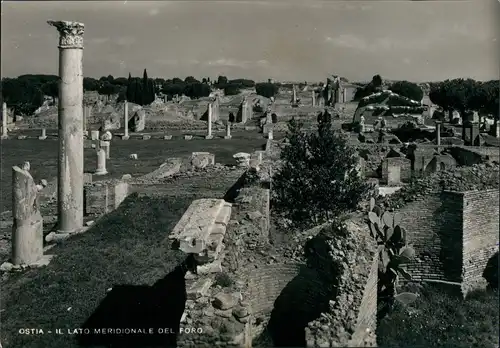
{"x":441,"y":318}
{"x":232,"y":118}
{"x":223,"y":280}
{"x":466,"y":94}
{"x":369,"y":89}
{"x":266,"y":89}
{"x":394,"y":254}
{"x":407,"y":89}
{"x":22,"y":95}
{"x":231,"y":89}
{"x":318,"y":178}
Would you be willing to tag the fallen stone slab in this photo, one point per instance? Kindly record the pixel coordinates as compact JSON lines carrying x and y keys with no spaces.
{"x":200,"y":160}
{"x":195,"y":226}
{"x":170,"y":167}
{"x":199,"y":288}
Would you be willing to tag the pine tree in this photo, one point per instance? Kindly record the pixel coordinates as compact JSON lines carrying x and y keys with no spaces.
{"x":145,"y":89}
{"x":130,"y":91}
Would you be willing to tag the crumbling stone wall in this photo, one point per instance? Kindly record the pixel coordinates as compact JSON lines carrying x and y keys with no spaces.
{"x":480,"y":234}
{"x":400,"y":165}
{"x":350,"y":320}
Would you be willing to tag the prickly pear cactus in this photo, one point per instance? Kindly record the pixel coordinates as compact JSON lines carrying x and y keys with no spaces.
{"x":394,"y":252}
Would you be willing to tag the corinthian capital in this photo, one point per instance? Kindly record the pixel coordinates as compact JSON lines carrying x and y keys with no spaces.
{"x":70,"y":33}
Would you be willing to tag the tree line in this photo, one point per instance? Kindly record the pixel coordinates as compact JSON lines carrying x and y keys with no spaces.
{"x":26,"y":93}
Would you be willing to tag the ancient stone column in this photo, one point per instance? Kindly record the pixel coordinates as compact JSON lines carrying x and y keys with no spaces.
{"x":4,"y":121}
{"x":313,"y":98}
{"x":85,"y":115}
{"x":70,"y":161}
{"x":101,"y":162}
{"x":106,"y":146}
{"x":27,"y":228}
{"x":244,"y":114}
{"x":294,"y":98}
{"x":209,"y":122}
{"x":228,"y":131}
{"x":497,"y":129}
{"x":43,"y":136}
{"x":438,"y":133}
{"x":270,"y":135}
{"x":94,"y":135}
{"x":125,"y":112}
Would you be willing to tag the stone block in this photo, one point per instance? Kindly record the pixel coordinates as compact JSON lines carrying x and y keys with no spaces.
{"x":167,"y":137}
{"x":224,"y":214}
{"x":146,"y":137}
{"x":125,"y":137}
{"x":195,"y":226}
{"x":209,"y":137}
{"x":228,"y":137}
{"x":268,"y":127}
{"x":201,"y":160}
{"x":21,"y":137}
{"x":199,"y":288}
{"x":104,"y":197}
{"x":188,"y":137}
{"x":87,"y":178}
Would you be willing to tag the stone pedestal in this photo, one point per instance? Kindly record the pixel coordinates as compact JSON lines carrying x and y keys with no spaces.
{"x":101,"y":162}
{"x":43,"y":136}
{"x":70,"y":161}
{"x":4,"y":121}
{"x":438,"y":134}
{"x":228,"y":131}
{"x":27,"y":228}
{"x":313,"y":98}
{"x":106,"y":146}
{"x":125,"y":114}
{"x":270,"y":135}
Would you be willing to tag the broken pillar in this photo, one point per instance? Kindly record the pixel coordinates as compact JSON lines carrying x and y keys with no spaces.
{"x":106,"y":145}
{"x":228,"y":131}
{"x":125,"y":115}
{"x":313,"y":98}
{"x":43,"y":136}
{"x":101,"y":162}
{"x":27,"y":228}
{"x":209,"y":122}
{"x":5,"y":134}
{"x":70,"y":160}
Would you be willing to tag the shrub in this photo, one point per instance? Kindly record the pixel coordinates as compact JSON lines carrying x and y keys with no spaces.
{"x":223,"y":280}
{"x":318,"y":178}
{"x":407,"y":89}
{"x":266,"y":89}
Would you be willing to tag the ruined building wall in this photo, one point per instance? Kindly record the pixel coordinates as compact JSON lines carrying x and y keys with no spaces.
{"x":480,"y":233}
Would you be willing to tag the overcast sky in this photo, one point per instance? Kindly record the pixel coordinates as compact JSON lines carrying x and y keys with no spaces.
{"x":285,"y":40}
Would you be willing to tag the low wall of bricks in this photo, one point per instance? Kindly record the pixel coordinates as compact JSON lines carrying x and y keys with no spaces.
{"x":480,"y":235}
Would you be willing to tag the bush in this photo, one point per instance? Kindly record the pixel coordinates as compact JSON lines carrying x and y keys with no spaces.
{"x":318,"y":179}
{"x":231,"y":89}
{"x":266,"y":89}
{"x":407,"y":89}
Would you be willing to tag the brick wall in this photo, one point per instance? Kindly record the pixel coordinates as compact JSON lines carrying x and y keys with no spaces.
{"x":467,"y":156}
{"x":480,"y":234}
{"x":434,"y":229}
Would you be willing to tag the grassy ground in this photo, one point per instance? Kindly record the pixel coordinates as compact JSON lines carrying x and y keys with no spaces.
{"x":125,"y":247}
{"x":151,"y":153}
{"x":442,"y":319}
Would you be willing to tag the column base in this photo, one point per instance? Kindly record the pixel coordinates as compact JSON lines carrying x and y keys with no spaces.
{"x":101,"y":172}
{"x":209,"y":136}
{"x":227,"y":137}
{"x":125,"y":137}
{"x":42,"y":138}
{"x":167,"y":137}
